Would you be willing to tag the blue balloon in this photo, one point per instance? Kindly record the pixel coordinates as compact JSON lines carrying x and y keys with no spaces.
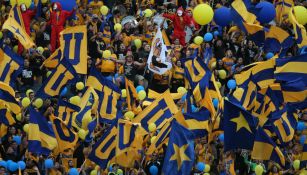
{"x":231,"y":84}
{"x":110,"y":168}
{"x":17,"y":139}
{"x":265,"y":12}
{"x":49,"y":163}
{"x":73,"y":171}
{"x":216,"y":33}
{"x":21,"y":165}
{"x":66,"y":4}
{"x":215,"y":102}
{"x":269,"y":55}
{"x":222,"y":16}
{"x":64,"y":91}
{"x":200,"y":166}
{"x":139,"y":88}
{"x":3,"y":164}
{"x":302,"y":139}
{"x":184,"y":97}
{"x":221,"y":137}
{"x":208,"y":37}
{"x":194,"y":109}
{"x":13,"y":166}
{"x":300,"y":126}
{"x":153,"y":170}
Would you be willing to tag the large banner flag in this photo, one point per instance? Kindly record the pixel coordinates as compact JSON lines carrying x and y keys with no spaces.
{"x":73,"y":46}
{"x":157,"y":61}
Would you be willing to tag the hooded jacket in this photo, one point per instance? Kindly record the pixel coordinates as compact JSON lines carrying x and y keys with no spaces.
{"x":58,"y":17}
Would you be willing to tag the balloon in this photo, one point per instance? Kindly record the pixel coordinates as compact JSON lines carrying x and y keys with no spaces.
{"x":75,"y":100}
{"x":13,"y":166}
{"x":97,"y":167}
{"x":138,"y":43}
{"x":118,"y":27}
{"x":119,"y":172}
{"x":221,"y":137}
{"x":231,"y":84}
{"x":296,"y":164}
{"x":1,"y":35}
{"x":269,"y":55}
{"x":203,"y":14}
{"x":15,"y":49}
{"x":25,"y":102}
{"x":104,"y":10}
{"x":148,"y":13}
{"x":28,"y":92}
{"x":300,"y":126}
{"x":82,"y":134}
{"x":206,"y":174}
{"x":44,"y":1}
{"x":124,"y":93}
{"x":94,"y":172}
{"x":106,"y":54}
{"x":19,"y":117}
{"x":26,"y":128}
{"x":265,"y":12}
{"x":153,"y":170}
{"x":142,"y":95}
{"x":181,"y":90}
{"x":302,"y":139}
{"x":64,"y":91}
{"x":300,"y":13}
{"x":73,"y":171}
{"x":215,"y":102}
{"x":48,"y":163}
{"x":208,"y":37}
{"x":152,"y":127}
{"x":219,"y":85}
{"x":213,"y":65}
{"x":222,"y":74}
{"x":216,"y":33}
{"x":129,"y":115}
{"x":198,"y":40}
{"x":66,"y":4}
{"x":258,"y":170}
{"x":38,"y":103}
{"x":139,"y":88}
{"x":26,"y":2}
{"x":152,"y":139}
{"x":3,"y":163}
{"x":200,"y":166}
{"x":222,"y":16}
{"x":207,"y":168}
{"x":21,"y":165}
{"x":80,"y":85}
{"x":48,"y":73}
{"x":17,"y":139}
{"x":40,"y":50}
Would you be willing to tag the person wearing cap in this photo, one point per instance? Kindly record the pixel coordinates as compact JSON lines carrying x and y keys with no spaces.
{"x":96,"y":4}
{"x":106,"y":34}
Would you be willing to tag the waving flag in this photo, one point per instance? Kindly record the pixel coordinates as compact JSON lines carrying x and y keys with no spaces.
{"x":65,"y":112}
{"x":7,"y":98}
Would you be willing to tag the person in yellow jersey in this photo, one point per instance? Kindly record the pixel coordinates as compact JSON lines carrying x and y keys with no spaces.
{"x":96,"y":4}
{"x":149,"y":32}
{"x":177,"y":77}
{"x":106,"y":34}
{"x":108,"y":66}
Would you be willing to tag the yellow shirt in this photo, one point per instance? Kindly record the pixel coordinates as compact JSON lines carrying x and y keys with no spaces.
{"x":126,"y":40}
{"x":106,"y":36}
{"x":96,"y":7}
{"x":108,"y":66}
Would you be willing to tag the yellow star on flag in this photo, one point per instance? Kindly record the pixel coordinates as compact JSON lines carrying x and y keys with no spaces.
{"x":241,"y":123}
{"x":179,"y":155}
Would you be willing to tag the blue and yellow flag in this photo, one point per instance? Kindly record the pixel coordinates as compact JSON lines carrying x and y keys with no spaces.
{"x":180,"y":155}
{"x":14,"y":24}
{"x":53,"y":59}
{"x":65,"y":112}
{"x":131,"y":95}
{"x":283,"y":7}
{"x":104,"y":149}
{"x":294,"y":91}
{"x":238,"y":125}
{"x":198,"y":122}
{"x":299,"y":30}
{"x":277,"y":39}
{"x":11,"y":66}
{"x":41,"y":138}
{"x":63,"y":74}
{"x":158,"y":112}
{"x":109,"y":106}
{"x":91,"y":128}
{"x":65,"y":136}
{"x":266,"y":149}
{"x":6,"y":116}
{"x":256,"y":32}
{"x":79,"y":116}
{"x":7,"y":98}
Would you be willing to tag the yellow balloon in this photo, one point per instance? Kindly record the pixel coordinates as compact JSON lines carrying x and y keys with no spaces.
{"x":44,"y":1}
{"x":75,"y":100}
{"x":82,"y":134}
{"x":94,"y":172}
{"x":219,"y":85}
{"x":80,"y":85}
{"x":26,"y":128}
{"x":40,"y":50}
{"x":181,"y":90}
{"x":25,"y":102}
{"x":296,"y":164}
{"x":213,"y":65}
{"x":206,"y":174}
{"x":19,"y":117}
{"x":48,"y":73}
{"x":152,"y":139}
{"x":152,"y":127}
{"x":106,"y":54}
{"x":129,"y":115}
{"x":258,"y":170}
{"x":207,"y":168}
{"x":104,"y":10}
{"x":15,"y":49}
{"x":300,"y":13}
{"x":203,"y":14}
{"x":138,"y":43}
{"x":148,"y":13}
{"x":124,"y":93}
{"x":198,"y":40}
{"x":38,"y":103}
{"x":26,"y":2}
{"x":1,"y":35}
{"x":222,"y":74}
{"x":28,"y":92}
{"x":118,"y":27}
{"x":142,"y":95}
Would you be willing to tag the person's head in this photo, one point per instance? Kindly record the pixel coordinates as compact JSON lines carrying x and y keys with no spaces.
{"x":12,"y":130}
{"x":31,"y":95}
{"x":147,"y":47}
{"x":107,"y":27}
{"x":219,"y":43}
{"x":95,"y":18}
{"x":180,"y":11}
{"x":188,"y":53}
{"x":240,"y":61}
{"x":26,"y":63}
{"x":274,"y":169}
{"x":129,"y":58}
{"x":229,"y":53}
{"x":23,"y":7}
{"x":55,"y":7}
{"x":189,"y":11}
{"x":178,"y":63}
{"x":2,"y":170}
{"x":220,"y":62}
{"x":70,"y":163}
{"x":176,"y":41}
{"x":233,"y":39}
{"x":122,"y":47}
{"x":250,"y":44}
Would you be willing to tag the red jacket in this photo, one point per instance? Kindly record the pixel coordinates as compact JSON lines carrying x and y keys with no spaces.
{"x":179,"y":26}
{"x":27,"y":17}
{"x":60,"y":21}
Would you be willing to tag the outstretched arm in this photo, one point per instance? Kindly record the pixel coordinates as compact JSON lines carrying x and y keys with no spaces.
{"x":168,"y":16}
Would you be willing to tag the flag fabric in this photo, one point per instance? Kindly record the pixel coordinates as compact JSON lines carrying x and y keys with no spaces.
{"x":6,"y":116}
{"x":283,"y":7}
{"x":91,"y":128}
{"x":158,"y":112}
{"x":299,"y":30}
{"x":89,"y":98}
{"x":53,"y":60}
{"x":80,"y":115}
{"x":277,"y":39}
{"x":65,"y":112}
{"x":238,"y":125}
{"x":7,"y":98}
{"x":198,"y":122}
{"x":41,"y":138}
{"x":266,"y":149}
{"x":39,"y":8}
{"x":131,"y":95}
{"x":14,"y":24}
{"x":109,"y":95}
{"x":11,"y":66}
{"x":180,"y":155}
{"x":256,"y":32}
{"x":104,"y":149}
{"x":63,"y":74}
{"x":294,"y":91}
